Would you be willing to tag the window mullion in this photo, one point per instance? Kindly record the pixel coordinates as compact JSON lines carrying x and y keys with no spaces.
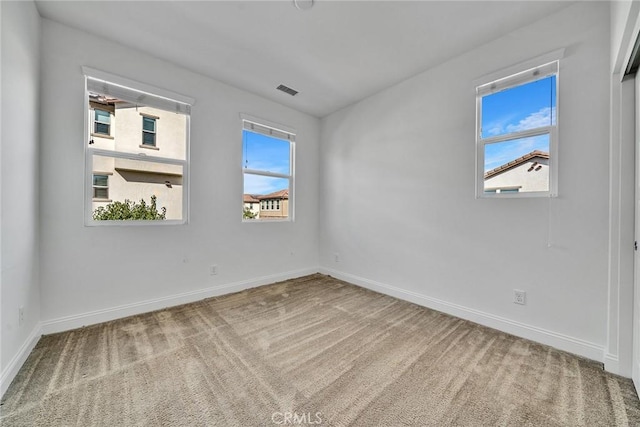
{"x":266,"y":173}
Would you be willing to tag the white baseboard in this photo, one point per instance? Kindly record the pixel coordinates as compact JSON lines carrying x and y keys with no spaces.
{"x":612,"y":364}
{"x":98,"y":316}
{"x":10,"y":372}
{"x":554,"y":339}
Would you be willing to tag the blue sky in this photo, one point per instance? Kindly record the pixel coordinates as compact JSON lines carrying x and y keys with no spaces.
{"x":520,"y":108}
{"x":264,"y":153}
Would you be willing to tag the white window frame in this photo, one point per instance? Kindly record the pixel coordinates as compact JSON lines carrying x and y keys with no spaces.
{"x":154,"y":132}
{"x":110,"y":124}
{"x":94,"y":186}
{"x":517,"y":75}
{"x":164,"y":96}
{"x":277,"y":130}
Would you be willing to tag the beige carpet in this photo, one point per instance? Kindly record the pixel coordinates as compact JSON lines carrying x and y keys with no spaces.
{"x":309,"y":351}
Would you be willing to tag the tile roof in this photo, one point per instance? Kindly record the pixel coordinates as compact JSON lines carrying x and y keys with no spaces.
{"x":282,"y":194}
{"x":250,"y":198}
{"x":516,"y":162}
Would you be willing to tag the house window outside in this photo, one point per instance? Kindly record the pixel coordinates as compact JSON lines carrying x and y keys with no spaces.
{"x":139,"y":188}
{"x":101,"y":122}
{"x":100,"y":186}
{"x":517,"y":134}
{"x":268,"y":167}
{"x":148,"y":131}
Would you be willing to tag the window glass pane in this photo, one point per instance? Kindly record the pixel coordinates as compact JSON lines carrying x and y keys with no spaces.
{"x":265,"y":153}
{"x":136,"y":180}
{"x":101,"y":180}
{"x":127,"y":124}
{"x":148,"y":124}
{"x":102,"y":128}
{"x":101,"y":193}
{"x":270,"y":192}
{"x":148,"y":138}
{"x":519,"y":165}
{"x":524,"y":107}
{"x":103,"y":116}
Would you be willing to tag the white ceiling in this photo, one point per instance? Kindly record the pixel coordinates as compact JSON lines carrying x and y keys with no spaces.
{"x":334,"y":54}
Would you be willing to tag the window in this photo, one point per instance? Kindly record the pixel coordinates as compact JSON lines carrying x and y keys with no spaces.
{"x":100,"y":186}
{"x":149,"y":131}
{"x":132,"y":187}
{"x":517,"y":134}
{"x":102,"y":122}
{"x":268,"y":154}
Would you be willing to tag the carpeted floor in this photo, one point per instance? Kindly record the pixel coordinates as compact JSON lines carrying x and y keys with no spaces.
{"x":309,"y":351}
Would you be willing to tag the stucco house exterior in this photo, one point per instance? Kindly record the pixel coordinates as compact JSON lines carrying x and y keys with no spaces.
{"x":252,"y":203}
{"x":124,"y":127}
{"x":525,"y":174}
{"x":274,"y":205}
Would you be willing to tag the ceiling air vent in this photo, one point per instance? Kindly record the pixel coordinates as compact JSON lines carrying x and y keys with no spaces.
{"x":288,"y":90}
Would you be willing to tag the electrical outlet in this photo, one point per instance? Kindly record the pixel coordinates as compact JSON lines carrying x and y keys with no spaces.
{"x":20,"y":316}
{"x":519,"y":297}
{"x":213,"y":270}
{"x":336,"y":257}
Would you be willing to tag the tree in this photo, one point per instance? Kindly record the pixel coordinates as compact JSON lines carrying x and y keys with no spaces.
{"x":248,"y":214}
{"x":129,"y":210}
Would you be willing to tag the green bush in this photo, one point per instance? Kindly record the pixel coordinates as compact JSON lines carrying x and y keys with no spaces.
{"x":248,"y":214}
{"x":129,"y":210}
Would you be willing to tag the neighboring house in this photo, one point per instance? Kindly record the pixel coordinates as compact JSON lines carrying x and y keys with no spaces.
{"x":524,"y":174}
{"x":125,"y":127}
{"x":274,"y":205}
{"x":252,"y":203}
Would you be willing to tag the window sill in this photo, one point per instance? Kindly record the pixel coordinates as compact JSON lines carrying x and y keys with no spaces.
{"x":269,"y":220}
{"x":149,"y":147}
{"x":102,"y":200}
{"x":523,"y":195}
{"x":102,"y":135}
{"x":134,"y":223}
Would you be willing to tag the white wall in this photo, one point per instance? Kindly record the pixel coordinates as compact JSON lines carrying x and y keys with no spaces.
{"x":19,"y":233}
{"x":397,"y":193}
{"x":94,"y":273}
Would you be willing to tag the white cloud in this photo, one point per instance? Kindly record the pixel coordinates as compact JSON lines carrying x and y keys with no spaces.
{"x":534,"y":120}
{"x":495,"y":129}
